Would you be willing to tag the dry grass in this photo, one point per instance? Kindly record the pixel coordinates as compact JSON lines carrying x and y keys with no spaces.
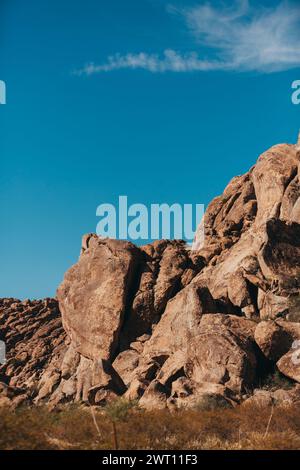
{"x":244,"y":427}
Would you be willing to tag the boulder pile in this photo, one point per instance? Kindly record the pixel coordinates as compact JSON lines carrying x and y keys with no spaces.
{"x":168,"y":325}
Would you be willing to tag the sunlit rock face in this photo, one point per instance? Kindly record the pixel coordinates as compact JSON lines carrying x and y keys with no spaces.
{"x":166,"y":324}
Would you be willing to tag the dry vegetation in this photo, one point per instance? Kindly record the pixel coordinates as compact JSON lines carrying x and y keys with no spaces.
{"x":75,"y":427}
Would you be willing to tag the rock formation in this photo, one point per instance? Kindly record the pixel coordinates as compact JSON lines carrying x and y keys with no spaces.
{"x":166,"y":324}
{"x":35,"y":344}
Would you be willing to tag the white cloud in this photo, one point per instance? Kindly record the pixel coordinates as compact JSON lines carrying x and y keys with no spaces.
{"x":169,"y":61}
{"x":238,"y":38}
{"x":247,"y":39}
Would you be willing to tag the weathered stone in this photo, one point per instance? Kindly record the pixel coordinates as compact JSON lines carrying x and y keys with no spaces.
{"x":223,"y":352}
{"x":204,"y":396}
{"x":181,"y":320}
{"x":260,"y":398}
{"x":48,"y":383}
{"x":181,"y":388}
{"x":272,"y":174}
{"x":238,"y":290}
{"x":289,"y":364}
{"x":94,"y":295}
{"x":173,"y":368}
{"x":279,"y":397}
{"x":155,"y":396}
{"x":166,"y":268}
{"x":107,"y":385}
{"x":70,"y":362}
{"x":272,"y":306}
{"x":273,"y":340}
{"x":287,"y":397}
{"x":171,"y":267}
{"x":279,"y":257}
{"x":136,"y":389}
{"x":125,"y":364}
{"x":35,"y":343}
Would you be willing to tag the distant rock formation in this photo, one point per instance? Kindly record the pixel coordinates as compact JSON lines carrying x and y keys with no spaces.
{"x":168,"y":325}
{"x":35,"y":343}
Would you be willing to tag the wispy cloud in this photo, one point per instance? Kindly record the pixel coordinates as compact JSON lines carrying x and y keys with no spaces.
{"x":238,"y":38}
{"x":169,"y":61}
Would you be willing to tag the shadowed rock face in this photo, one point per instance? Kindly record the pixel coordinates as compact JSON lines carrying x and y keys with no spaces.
{"x":166,"y":324}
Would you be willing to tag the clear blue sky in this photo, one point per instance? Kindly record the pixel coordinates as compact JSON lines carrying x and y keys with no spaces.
{"x":156,"y":126}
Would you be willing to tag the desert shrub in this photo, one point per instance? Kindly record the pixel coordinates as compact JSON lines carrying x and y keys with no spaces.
{"x":211,"y":402}
{"x":275,"y":380}
{"x":119,"y":409}
{"x":73,"y":427}
{"x":24,"y":428}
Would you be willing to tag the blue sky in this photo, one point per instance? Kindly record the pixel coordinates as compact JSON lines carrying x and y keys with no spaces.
{"x":160,"y":101}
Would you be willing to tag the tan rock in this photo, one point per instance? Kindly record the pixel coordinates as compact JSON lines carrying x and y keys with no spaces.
{"x":171,"y":267}
{"x":279,"y":256}
{"x":181,"y":388}
{"x":50,"y":380}
{"x":108,"y":385}
{"x":172,"y":368}
{"x":35,"y":344}
{"x":181,"y":320}
{"x":126,"y":364}
{"x":260,"y":398}
{"x":272,"y":306}
{"x":70,"y":362}
{"x":94,"y":293}
{"x":271,"y":175}
{"x":155,"y":397}
{"x":289,"y":364}
{"x":273,"y":340}
{"x":223,"y":352}
{"x":204,"y":396}
{"x":136,"y":389}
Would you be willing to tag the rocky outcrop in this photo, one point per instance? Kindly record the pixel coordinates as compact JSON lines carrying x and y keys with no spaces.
{"x":254,"y":265}
{"x":273,"y":339}
{"x":98,"y":285}
{"x":169,"y":325}
{"x":279,"y":397}
{"x":35,"y":344}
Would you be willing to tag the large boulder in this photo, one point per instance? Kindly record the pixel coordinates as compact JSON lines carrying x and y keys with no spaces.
{"x":273,"y":339}
{"x":94,"y":295}
{"x":289,"y":364}
{"x":126,"y":363}
{"x":180,"y":321}
{"x":223,"y":352}
{"x":272,"y":174}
